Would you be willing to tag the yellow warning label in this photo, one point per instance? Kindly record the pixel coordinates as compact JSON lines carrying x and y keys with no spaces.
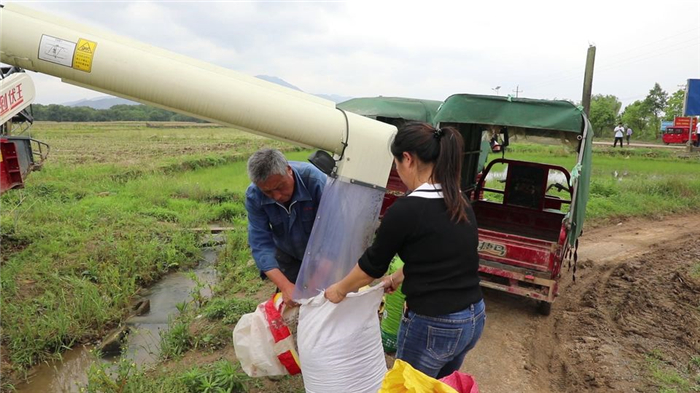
{"x":84,"y":52}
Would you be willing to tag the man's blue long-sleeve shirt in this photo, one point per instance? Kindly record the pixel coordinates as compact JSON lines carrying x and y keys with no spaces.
{"x":271,"y":225}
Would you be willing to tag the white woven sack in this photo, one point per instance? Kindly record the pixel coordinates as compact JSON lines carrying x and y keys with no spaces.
{"x":340,"y":345}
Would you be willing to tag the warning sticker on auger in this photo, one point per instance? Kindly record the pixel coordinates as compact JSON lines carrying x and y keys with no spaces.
{"x":84,"y":52}
{"x":56,"y":50}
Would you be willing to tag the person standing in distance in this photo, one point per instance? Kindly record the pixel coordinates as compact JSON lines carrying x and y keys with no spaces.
{"x":434,"y":231}
{"x":619,"y":133}
{"x":281,"y":202}
{"x":629,"y":134}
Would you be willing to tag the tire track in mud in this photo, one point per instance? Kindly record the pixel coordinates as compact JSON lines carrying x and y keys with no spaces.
{"x":582,"y":345}
{"x":636,"y":296}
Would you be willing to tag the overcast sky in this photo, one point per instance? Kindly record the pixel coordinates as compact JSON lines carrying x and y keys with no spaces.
{"x":421,"y":49}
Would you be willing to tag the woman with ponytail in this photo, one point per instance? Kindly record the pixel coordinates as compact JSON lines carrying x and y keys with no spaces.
{"x":434,"y":231}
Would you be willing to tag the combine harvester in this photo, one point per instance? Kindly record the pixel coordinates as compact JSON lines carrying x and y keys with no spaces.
{"x":526,"y":230}
{"x":19,"y":153}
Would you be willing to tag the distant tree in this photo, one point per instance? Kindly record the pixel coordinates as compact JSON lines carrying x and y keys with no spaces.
{"x":180,"y":117}
{"x":38,"y":111}
{"x":603,"y":114}
{"x":674,"y":105}
{"x":55,"y":112}
{"x":116,"y":113}
{"x":656,"y":102}
{"x":157,"y":114}
{"x":637,"y":116}
{"x":81,"y":113}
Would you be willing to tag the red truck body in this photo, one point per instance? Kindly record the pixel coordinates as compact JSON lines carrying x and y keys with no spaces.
{"x":684,"y":128}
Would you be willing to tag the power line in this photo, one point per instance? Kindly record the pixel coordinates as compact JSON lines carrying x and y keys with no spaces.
{"x":567,"y":75}
{"x":653,"y":42}
{"x":630,"y":60}
{"x":652,"y":54}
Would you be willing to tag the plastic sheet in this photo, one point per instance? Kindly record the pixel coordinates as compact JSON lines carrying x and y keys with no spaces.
{"x":393,"y":309}
{"x":257,"y":349}
{"x":461,"y":382}
{"x":402,"y":378}
{"x":343,"y":229}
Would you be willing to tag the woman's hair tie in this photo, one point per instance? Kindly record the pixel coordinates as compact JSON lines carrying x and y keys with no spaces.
{"x":437,"y":133}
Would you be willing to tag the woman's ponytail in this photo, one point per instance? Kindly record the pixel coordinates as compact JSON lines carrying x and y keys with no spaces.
{"x":448,"y":172}
{"x":443,"y":147}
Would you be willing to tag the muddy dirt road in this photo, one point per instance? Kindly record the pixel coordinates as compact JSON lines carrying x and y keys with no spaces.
{"x":636,"y":293}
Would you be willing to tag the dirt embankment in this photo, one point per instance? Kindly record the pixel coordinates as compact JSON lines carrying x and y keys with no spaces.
{"x":642,"y":308}
{"x":635,"y":305}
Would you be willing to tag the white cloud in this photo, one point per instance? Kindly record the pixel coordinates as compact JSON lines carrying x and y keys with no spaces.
{"x":417,"y":49}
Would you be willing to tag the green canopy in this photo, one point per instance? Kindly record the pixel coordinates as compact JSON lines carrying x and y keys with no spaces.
{"x":582,"y":183}
{"x":509,"y":111}
{"x":532,"y":115}
{"x":392,"y":107}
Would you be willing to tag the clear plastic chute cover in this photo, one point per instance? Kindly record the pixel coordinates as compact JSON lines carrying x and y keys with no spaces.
{"x":344,"y":227}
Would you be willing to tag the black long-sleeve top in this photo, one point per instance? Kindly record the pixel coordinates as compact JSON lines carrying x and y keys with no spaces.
{"x":440,"y":256}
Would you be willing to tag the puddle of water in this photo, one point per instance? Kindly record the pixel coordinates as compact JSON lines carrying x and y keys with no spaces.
{"x":67,"y":375}
{"x":143,"y":345}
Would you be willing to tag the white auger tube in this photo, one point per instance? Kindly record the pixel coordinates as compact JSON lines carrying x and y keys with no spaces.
{"x":101,"y":61}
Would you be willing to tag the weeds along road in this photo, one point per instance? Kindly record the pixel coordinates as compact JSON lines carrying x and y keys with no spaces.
{"x":636,"y":144}
{"x":603,"y":326}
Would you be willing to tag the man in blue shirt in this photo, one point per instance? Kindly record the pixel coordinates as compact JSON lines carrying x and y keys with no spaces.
{"x":281,"y":202}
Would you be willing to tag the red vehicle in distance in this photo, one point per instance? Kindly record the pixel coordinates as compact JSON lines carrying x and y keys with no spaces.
{"x":678,"y":135}
{"x":683,"y":128}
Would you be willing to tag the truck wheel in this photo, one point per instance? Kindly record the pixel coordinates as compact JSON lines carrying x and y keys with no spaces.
{"x":544,"y":308}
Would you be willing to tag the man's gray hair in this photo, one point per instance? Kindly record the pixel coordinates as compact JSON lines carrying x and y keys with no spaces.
{"x":265,"y":163}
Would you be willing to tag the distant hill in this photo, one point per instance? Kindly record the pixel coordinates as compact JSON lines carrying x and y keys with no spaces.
{"x":273,"y":79}
{"x":334,"y":97}
{"x":104,"y":102}
{"x":278,"y":81}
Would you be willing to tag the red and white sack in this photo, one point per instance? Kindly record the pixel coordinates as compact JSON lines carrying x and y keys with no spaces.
{"x":340,"y":345}
{"x":263,"y":341}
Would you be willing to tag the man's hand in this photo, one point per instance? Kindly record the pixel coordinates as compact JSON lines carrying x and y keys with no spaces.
{"x":334,"y":293}
{"x":287,"y":293}
{"x":285,"y":286}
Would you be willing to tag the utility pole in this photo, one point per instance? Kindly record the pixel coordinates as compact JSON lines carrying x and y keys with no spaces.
{"x":517,"y":90}
{"x":588,"y":80}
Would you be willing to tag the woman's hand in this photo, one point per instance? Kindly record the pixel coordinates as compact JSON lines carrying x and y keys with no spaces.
{"x":334,"y":293}
{"x":390,"y":284}
{"x":393,"y":281}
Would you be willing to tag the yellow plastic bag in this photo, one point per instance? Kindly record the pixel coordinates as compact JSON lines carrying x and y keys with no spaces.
{"x":402,"y":378}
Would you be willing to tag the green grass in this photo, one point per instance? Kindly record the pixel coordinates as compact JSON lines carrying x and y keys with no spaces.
{"x":630,"y":183}
{"x":124,"y":377}
{"x":105,"y":217}
{"x":673,"y":378}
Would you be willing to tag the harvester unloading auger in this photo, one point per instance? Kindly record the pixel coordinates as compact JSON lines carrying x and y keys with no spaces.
{"x":101,"y":61}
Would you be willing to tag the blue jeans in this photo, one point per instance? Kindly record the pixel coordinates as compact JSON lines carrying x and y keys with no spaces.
{"x":436,"y":346}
